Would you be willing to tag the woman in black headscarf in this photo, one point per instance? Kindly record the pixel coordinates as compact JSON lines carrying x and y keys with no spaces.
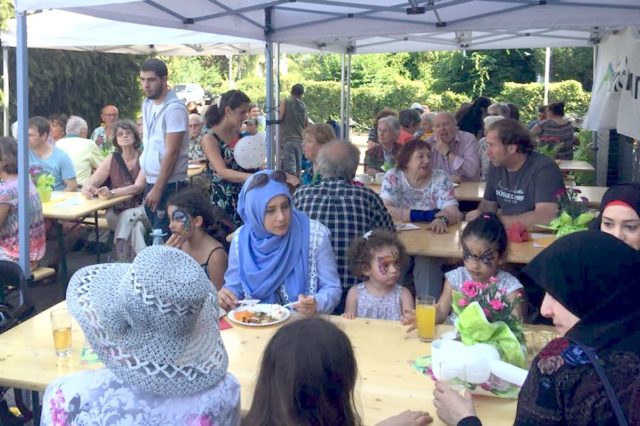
{"x":620,"y":213}
{"x":592,"y":285}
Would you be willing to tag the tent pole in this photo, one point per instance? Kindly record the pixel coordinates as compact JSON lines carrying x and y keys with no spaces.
{"x":22,"y":86}
{"x":547,"y":65}
{"x":276,"y":100}
{"x":230,"y":71}
{"x":5,"y":91}
{"x":342,"y":96}
{"x":269,"y":106}
{"x":347,"y":99}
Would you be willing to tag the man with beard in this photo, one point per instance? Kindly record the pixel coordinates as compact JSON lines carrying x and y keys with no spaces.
{"x":454,"y":151}
{"x":166,"y":142}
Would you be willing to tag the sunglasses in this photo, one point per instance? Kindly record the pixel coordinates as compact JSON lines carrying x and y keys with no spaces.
{"x":262,"y":179}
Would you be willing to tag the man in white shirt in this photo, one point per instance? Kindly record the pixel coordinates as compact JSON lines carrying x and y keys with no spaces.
{"x":84,"y":153}
{"x":165,"y":158}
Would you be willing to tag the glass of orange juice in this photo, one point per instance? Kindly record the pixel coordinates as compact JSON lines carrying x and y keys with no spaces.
{"x":426,"y":317}
{"x":61,"y":327}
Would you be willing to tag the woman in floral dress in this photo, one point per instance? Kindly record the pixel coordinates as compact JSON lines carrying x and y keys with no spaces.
{"x":224,"y":120}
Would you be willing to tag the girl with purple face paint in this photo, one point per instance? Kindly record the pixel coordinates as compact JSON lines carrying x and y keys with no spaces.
{"x":379,"y":257}
{"x":484,"y":248}
{"x":198,"y":231}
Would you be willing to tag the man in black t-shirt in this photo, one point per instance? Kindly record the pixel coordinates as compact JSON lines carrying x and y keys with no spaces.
{"x":521,"y":183}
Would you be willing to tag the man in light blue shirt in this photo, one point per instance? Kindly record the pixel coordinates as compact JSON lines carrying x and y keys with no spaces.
{"x":52,"y":160}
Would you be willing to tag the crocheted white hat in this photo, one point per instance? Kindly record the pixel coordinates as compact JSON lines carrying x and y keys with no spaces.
{"x":154,"y":323}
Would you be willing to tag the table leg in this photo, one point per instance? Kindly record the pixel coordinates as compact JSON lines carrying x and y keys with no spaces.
{"x":64,"y":272}
{"x":95,"y":217}
{"x":35,"y":407}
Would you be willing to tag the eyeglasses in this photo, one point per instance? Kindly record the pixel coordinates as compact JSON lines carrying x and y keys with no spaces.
{"x":123,"y":133}
{"x":261,"y":180}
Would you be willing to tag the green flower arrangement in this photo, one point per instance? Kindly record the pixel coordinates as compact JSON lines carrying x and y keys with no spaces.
{"x":574,"y":213}
{"x":43,"y":181}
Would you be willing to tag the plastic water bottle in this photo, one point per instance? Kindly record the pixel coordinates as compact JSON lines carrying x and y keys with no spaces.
{"x":157,"y":237}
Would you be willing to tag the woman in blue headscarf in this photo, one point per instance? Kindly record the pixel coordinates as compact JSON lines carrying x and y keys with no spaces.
{"x":276,"y":255}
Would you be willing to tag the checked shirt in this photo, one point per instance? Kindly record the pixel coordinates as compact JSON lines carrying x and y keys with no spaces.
{"x":349,"y":211}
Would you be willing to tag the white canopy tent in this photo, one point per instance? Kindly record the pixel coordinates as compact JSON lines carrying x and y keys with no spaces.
{"x":346,"y":26}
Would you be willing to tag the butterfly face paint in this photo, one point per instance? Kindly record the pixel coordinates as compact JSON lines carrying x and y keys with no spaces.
{"x":485,"y":257}
{"x":183,"y":218}
{"x":386,"y":262}
{"x":481,"y":259}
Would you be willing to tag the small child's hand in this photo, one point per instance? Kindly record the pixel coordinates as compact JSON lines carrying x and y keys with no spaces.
{"x":348,"y":316}
{"x":409,"y":318}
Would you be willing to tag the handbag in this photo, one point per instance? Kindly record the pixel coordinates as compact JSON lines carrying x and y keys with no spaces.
{"x":613,"y":399}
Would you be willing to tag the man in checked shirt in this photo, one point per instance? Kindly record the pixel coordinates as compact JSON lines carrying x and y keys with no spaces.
{"x":349,"y":211}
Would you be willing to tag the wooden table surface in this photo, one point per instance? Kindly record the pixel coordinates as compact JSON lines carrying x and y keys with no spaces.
{"x":575,"y":166}
{"x":474,"y":191}
{"x":387,"y":383}
{"x":422,"y":242}
{"x":74,"y":205}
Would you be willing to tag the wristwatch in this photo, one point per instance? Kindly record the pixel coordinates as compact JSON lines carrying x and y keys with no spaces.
{"x":444,"y":219}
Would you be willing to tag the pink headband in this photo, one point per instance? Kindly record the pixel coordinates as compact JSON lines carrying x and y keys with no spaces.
{"x":618,"y":203}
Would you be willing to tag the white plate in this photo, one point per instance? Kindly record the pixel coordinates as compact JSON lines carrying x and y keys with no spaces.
{"x":276,"y":311}
{"x":194,"y":166}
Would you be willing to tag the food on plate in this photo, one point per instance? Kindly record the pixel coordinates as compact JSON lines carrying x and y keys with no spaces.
{"x":250,"y":317}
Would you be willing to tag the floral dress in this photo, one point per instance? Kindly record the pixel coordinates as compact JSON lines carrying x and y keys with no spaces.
{"x":388,"y":307}
{"x":224,"y":194}
{"x":98,"y":397}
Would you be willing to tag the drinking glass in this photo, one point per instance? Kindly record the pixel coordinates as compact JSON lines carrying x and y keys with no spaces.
{"x":426,"y":317}
{"x":61,"y":328}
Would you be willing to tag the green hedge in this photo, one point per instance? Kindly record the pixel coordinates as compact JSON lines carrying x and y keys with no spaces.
{"x":530,"y":96}
{"x":323,"y":97}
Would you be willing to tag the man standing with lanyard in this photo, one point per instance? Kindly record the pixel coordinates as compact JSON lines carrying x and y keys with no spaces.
{"x":165,"y":158}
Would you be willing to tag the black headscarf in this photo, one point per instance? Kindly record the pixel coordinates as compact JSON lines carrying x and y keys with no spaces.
{"x":629,"y":192}
{"x":597,"y":278}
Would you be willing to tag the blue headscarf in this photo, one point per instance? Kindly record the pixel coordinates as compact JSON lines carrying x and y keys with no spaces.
{"x":267,"y":261}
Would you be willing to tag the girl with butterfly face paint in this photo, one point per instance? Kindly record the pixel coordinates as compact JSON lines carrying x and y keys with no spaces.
{"x":196,"y":231}
{"x":379,"y":257}
{"x":484,"y":248}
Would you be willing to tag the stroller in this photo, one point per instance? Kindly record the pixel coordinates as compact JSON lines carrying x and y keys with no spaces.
{"x":11,"y":276}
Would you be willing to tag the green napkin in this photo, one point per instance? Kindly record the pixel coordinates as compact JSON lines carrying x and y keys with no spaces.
{"x":474,"y":328}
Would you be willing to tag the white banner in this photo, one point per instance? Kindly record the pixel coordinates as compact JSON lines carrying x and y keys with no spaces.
{"x":615,"y":97}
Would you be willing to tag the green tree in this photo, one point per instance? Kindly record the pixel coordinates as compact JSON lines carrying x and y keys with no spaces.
{"x":204,"y":70}
{"x":80,"y":83}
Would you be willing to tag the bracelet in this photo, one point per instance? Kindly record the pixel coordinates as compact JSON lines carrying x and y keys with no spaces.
{"x":444,"y":219}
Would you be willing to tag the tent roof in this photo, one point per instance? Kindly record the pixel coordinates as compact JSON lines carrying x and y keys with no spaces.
{"x":57,"y":29}
{"x":364,"y":24}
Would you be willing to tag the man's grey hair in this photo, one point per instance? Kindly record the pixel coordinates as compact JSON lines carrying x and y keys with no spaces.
{"x":392,"y":122}
{"x":75,"y":125}
{"x":504,"y":109}
{"x":338,"y":159}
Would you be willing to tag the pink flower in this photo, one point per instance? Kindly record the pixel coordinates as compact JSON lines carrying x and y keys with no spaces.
{"x":493,"y":280}
{"x":463,"y":302}
{"x":496,"y":304}
{"x":470,"y":289}
{"x":196,"y":420}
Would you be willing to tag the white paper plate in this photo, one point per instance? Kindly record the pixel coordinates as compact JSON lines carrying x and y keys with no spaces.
{"x":194,"y":166}
{"x":276,"y":311}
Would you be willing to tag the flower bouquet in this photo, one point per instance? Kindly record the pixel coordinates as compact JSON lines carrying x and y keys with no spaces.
{"x":574,"y":213}
{"x":43,"y":182}
{"x":485,"y":316}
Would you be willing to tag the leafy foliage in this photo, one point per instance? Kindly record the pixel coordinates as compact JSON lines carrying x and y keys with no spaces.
{"x":80,"y":83}
{"x":204,"y":70}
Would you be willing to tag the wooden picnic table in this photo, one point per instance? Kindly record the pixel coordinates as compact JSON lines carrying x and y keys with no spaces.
{"x":575,"y":166}
{"x":422,"y":242}
{"x":74,"y":206}
{"x":387,"y":383}
{"x":474,"y":191}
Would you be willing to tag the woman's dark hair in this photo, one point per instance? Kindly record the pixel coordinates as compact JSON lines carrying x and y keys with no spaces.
{"x":307,"y":377}
{"x":361,"y":250}
{"x":384,"y":112}
{"x":512,"y":132}
{"x":514,"y":112}
{"x":9,"y":154}
{"x":471,"y":119}
{"x":407,"y":150}
{"x":487,"y":227}
{"x":126,"y":124}
{"x":557,"y":108}
{"x":215,"y":221}
{"x":60,"y":120}
{"x":232,"y":99}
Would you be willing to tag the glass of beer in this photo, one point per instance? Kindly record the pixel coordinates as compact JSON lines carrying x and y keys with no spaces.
{"x":61,"y":327}
{"x":426,"y":317}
